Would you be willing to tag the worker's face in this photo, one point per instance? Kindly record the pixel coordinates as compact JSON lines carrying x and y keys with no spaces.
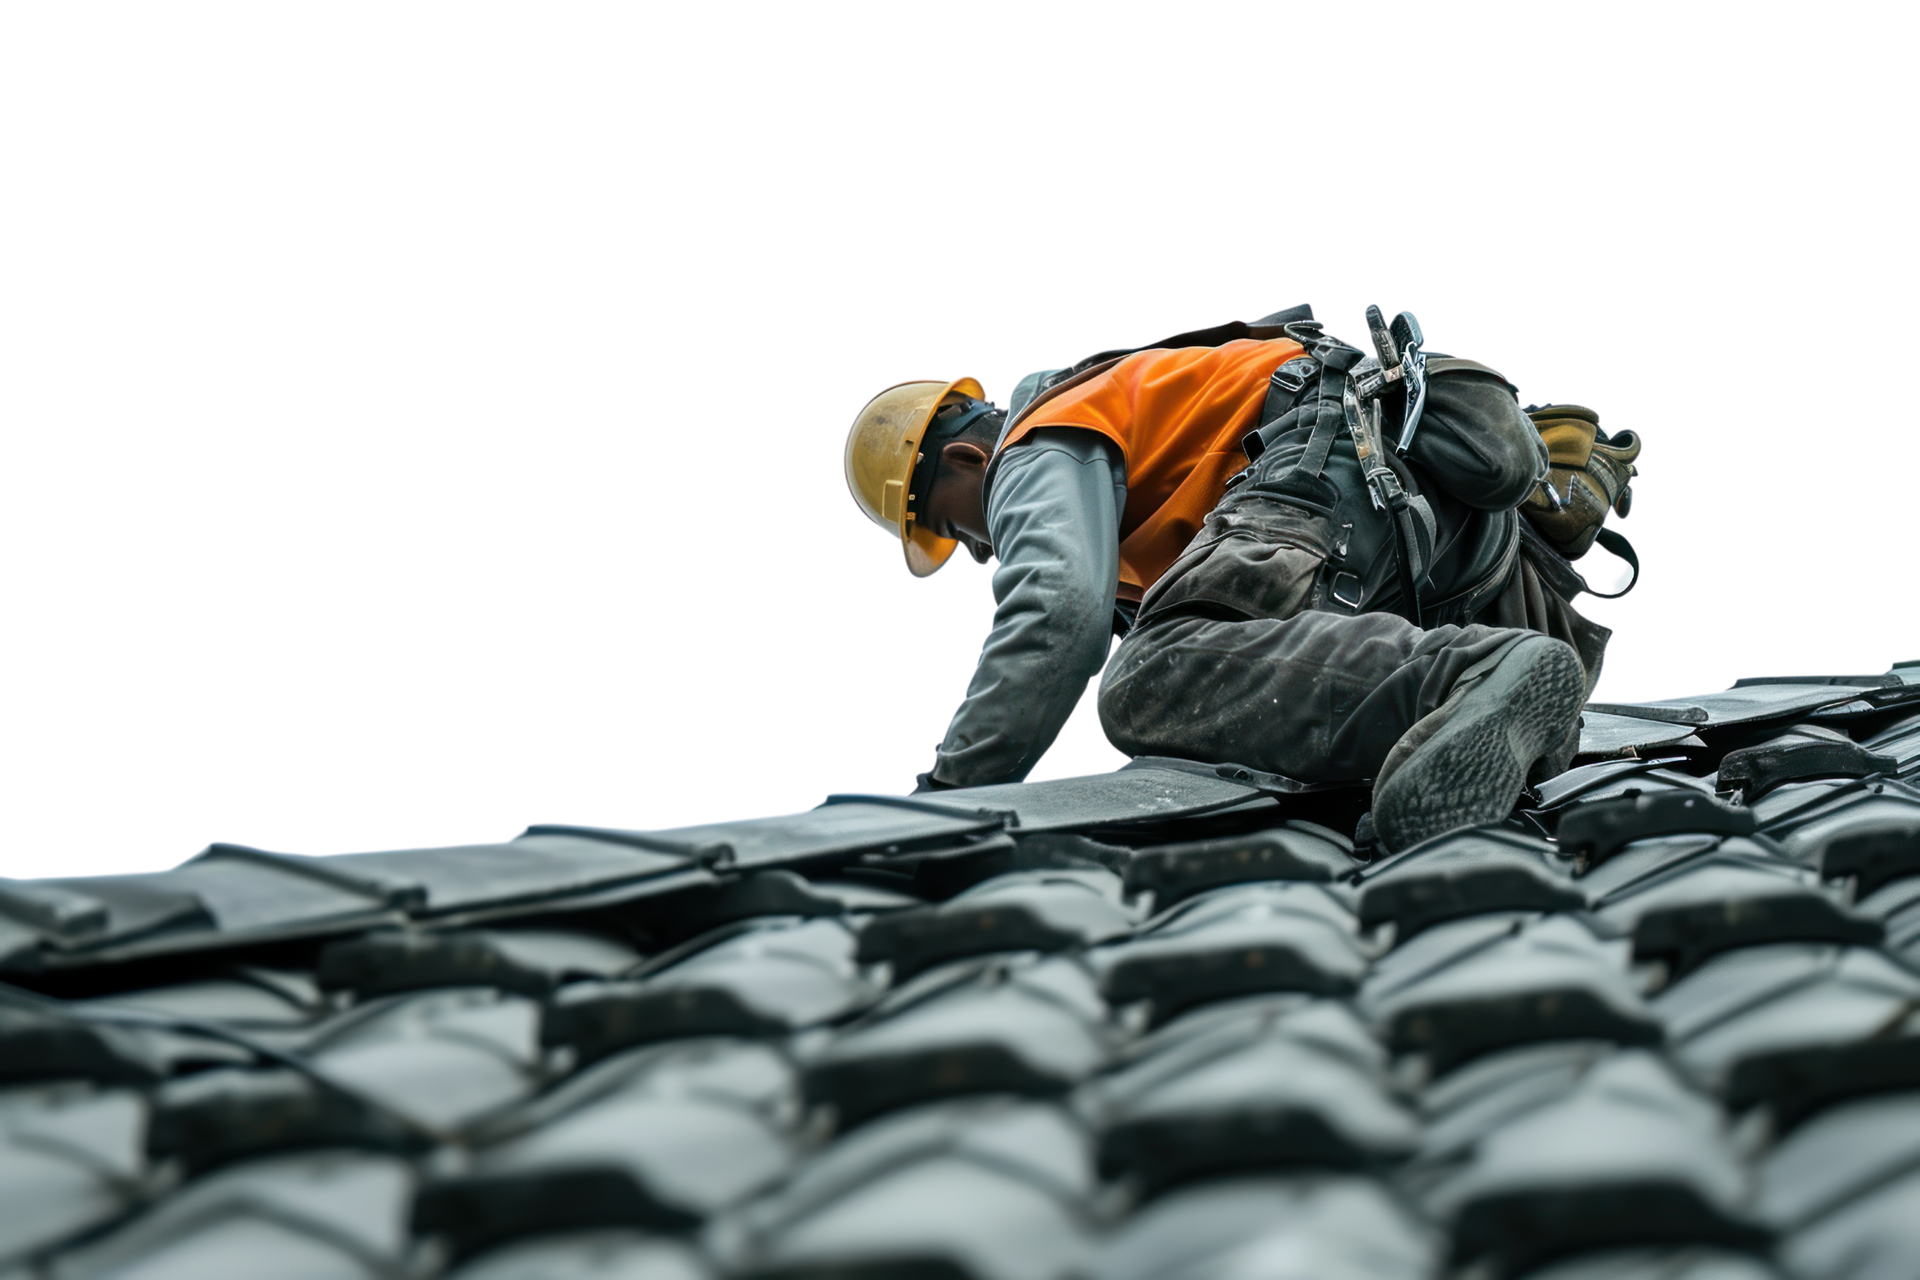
{"x":956,"y":507}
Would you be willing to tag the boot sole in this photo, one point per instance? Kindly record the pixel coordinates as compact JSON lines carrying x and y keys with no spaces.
{"x":1472,"y":770}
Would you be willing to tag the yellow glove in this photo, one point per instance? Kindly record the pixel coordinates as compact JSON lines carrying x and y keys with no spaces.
{"x":1588,"y":473}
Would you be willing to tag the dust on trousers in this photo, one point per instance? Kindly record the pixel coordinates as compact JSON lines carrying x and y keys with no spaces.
{"x":1241,"y":657}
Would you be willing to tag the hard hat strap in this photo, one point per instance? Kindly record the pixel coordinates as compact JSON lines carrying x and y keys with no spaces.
{"x":948,"y":423}
{"x":947,"y":429}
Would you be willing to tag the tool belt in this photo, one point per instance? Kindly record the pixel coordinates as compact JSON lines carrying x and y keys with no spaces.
{"x":1383,"y":529}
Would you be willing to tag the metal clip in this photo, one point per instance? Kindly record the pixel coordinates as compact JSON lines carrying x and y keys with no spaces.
{"x":1382,"y":338}
{"x":1402,"y":364}
{"x":1414,"y":369}
{"x":1371,"y":381}
{"x":1363,"y":424}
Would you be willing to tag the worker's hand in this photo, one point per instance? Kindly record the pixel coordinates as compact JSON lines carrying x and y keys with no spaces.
{"x":927,"y":782}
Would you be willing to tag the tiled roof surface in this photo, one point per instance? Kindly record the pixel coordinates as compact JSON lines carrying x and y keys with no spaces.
{"x":1156,"y":1024}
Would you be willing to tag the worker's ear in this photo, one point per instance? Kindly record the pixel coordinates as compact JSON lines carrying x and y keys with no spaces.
{"x":963,"y":454}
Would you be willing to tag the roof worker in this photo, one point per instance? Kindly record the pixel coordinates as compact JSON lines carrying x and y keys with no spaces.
{"x":1316,"y":565}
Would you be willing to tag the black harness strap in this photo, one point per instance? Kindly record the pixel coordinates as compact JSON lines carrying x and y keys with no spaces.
{"x":1412,"y":516}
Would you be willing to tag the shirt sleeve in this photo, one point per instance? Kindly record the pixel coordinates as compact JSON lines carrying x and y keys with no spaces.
{"x":1054,"y":518}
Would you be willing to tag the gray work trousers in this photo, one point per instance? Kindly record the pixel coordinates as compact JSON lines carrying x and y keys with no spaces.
{"x":1309,"y":693}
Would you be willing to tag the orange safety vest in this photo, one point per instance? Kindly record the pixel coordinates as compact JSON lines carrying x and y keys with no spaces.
{"x":1177,"y":416}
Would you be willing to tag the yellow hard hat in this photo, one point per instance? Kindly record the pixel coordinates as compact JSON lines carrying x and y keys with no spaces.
{"x":882,"y":449}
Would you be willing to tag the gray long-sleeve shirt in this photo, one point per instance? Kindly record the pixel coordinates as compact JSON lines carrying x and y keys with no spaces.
{"x":1053,"y":514}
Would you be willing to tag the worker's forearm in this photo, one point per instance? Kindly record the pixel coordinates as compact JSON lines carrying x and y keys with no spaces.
{"x":1054,"y":519}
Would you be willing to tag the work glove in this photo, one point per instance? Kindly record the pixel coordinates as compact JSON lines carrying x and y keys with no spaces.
{"x":1588,"y":473}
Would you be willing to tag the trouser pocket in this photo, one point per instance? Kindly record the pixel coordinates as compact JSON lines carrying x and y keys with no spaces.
{"x":1254,"y":558}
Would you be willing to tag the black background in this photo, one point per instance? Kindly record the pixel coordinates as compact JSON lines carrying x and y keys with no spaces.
{"x":409,"y":519}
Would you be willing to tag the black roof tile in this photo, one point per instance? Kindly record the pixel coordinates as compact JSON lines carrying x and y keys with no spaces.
{"x":671,"y":918}
{"x":1262,"y":1090}
{"x":754,"y":1076}
{"x":1604,"y":736}
{"x":615,"y":1253}
{"x":1867,"y":830}
{"x":624,"y":1052}
{"x":70,"y":1161}
{"x":1901,"y":740}
{"x":1465,"y":873}
{"x":994,"y":1188}
{"x":1745,"y":703}
{"x":642,"y":1143}
{"x":1839,"y":1156}
{"x":441,"y":1059}
{"x":234,"y":1001}
{"x":530,"y":961}
{"x":1293,"y":850}
{"x":1140,"y":792}
{"x":1604,"y":778}
{"x":322,"y":1213}
{"x":211,"y":1118}
{"x":1493,"y":981}
{"x":1897,"y":906}
{"x":765,"y":977}
{"x":837,"y":831}
{"x":1462,"y":1107}
{"x":1629,"y":1155}
{"x":47,"y":1041}
{"x":1331,"y":1227}
{"x":1679,"y":1262}
{"x":1731,"y":893}
{"x":1593,"y":831}
{"x":941,"y":873}
{"x":1877,"y":1234}
{"x":1234,"y":941}
{"x":526,"y":870}
{"x":1017,"y":911}
{"x":1017,"y":1024}
{"x":1796,"y":1024}
{"x":1805,"y":751}
{"x":19,"y":945}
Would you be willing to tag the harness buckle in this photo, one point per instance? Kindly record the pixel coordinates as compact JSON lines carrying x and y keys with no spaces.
{"x":1388,"y":486}
{"x":1363,"y":424}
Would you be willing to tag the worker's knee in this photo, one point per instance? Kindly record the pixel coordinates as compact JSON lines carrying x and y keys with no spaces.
{"x":1117,"y":700}
{"x":1108,"y":711}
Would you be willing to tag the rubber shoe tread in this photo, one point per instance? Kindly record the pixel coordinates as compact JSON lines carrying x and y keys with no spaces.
{"x":1470,"y":767}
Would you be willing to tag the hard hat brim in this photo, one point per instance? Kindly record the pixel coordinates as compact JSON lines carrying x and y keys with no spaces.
{"x":924,"y":552}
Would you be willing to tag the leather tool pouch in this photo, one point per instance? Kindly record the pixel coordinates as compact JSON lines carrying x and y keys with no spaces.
{"x":1589,"y":472}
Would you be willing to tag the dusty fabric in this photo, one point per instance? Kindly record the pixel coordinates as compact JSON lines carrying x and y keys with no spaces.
{"x":1538,"y":599}
{"x":1061,"y":504}
{"x":1054,"y":518}
{"x":1312,"y":694}
{"x":1243,"y":655}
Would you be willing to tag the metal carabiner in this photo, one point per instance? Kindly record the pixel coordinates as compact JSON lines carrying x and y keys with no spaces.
{"x":1414,"y":373}
{"x":1401,"y":360}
